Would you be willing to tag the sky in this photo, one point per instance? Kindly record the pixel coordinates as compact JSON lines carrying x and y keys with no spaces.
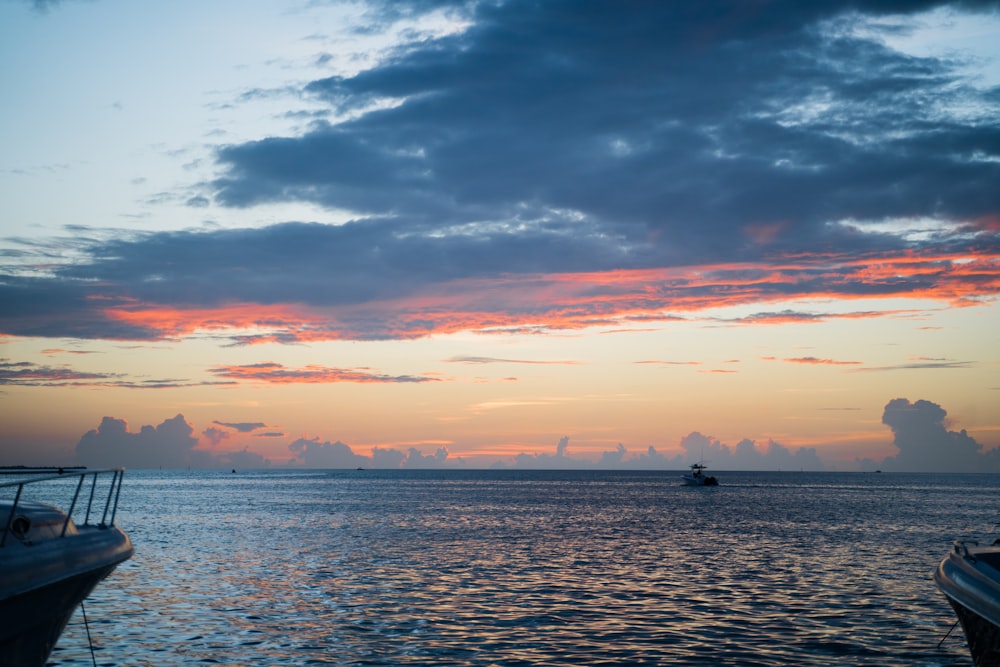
{"x":759,"y":234}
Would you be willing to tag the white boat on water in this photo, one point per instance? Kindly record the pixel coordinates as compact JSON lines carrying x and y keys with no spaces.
{"x":697,"y":476}
{"x":50,"y":559}
{"x":969,"y":576}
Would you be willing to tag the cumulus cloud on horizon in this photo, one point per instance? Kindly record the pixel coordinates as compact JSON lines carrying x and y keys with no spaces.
{"x":920,"y":433}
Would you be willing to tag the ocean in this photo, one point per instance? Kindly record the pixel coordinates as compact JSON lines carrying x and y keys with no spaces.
{"x":543,"y":568}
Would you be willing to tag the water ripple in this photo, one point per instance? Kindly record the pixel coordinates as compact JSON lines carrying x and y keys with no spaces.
{"x":470,"y":569}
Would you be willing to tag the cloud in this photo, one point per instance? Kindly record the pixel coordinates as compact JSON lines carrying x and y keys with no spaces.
{"x":171,"y":444}
{"x":416,"y":459}
{"x":42,"y":6}
{"x":920,"y":433}
{"x":242,"y":427}
{"x":215,"y":435}
{"x":614,"y":458}
{"x":794,"y":317}
{"x":387,"y":457}
{"x":168,"y":445}
{"x":814,"y":361}
{"x":758,"y":124}
{"x":560,"y":460}
{"x":496,"y":360}
{"x":529,"y":173}
{"x":745,"y":455}
{"x":324,"y":454}
{"x":274,"y":373}
{"x":921,"y":363}
{"x":949,"y":365}
{"x":30,"y":374}
{"x":246,"y":459}
{"x":307,"y":282}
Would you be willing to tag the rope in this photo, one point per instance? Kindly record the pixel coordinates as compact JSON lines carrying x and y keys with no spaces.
{"x":947,"y":634}
{"x":90,"y":641}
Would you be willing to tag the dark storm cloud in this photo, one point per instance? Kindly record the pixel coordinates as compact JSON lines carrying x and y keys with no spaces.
{"x":672,"y":129}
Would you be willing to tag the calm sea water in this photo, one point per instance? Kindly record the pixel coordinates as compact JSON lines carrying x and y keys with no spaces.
{"x":532,"y":568}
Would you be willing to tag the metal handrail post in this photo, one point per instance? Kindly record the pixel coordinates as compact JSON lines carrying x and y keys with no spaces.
{"x":10,"y":518}
{"x":90,"y":503}
{"x":120,"y":476}
{"x":107,"y":503}
{"x":72,"y":506}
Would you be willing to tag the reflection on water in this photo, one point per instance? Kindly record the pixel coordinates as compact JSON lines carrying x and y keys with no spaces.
{"x":515,"y":568}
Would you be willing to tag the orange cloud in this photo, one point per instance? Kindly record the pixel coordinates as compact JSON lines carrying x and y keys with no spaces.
{"x":273,"y":373}
{"x":177,"y":322}
{"x":544,"y":303}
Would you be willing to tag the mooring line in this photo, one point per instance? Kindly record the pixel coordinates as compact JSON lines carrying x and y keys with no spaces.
{"x":947,"y":634}
{"x":90,"y":641}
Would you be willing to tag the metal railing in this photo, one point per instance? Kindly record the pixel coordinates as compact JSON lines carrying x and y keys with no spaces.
{"x":110,"y":501}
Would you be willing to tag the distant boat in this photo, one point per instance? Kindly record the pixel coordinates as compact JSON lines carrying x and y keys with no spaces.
{"x":969,"y":576}
{"x":697,"y":476}
{"x":49,"y":561}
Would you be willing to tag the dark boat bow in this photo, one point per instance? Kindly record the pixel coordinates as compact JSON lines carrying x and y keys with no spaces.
{"x":969,"y":577}
{"x":49,"y":563}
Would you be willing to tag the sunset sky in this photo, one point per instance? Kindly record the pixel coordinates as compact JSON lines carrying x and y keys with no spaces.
{"x":765,"y":234}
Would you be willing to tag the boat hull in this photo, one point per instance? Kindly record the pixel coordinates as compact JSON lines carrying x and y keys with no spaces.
{"x":969,"y":577}
{"x":32,"y":622}
{"x":702,"y":480}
